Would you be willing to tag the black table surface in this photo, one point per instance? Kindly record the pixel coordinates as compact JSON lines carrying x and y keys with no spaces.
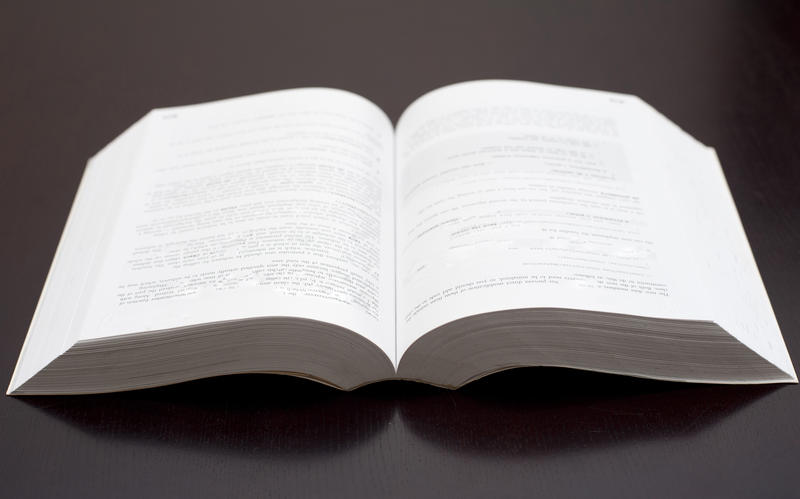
{"x":73,"y":75}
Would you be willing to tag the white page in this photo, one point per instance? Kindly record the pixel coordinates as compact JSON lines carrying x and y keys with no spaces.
{"x":277,"y":204}
{"x":724,"y":261}
{"x":52,"y":330}
{"x":516,"y":195}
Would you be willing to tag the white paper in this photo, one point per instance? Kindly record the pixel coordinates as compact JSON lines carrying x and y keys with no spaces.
{"x":521,"y":195}
{"x":277,"y":204}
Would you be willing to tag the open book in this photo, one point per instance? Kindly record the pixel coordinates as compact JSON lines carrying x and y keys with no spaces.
{"x":499,"y":224}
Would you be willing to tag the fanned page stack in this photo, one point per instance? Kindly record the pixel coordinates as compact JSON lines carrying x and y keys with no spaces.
{"x":499,"y":224}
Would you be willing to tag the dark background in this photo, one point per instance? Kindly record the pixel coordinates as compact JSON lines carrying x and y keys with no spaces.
{"x":73,"y":75}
